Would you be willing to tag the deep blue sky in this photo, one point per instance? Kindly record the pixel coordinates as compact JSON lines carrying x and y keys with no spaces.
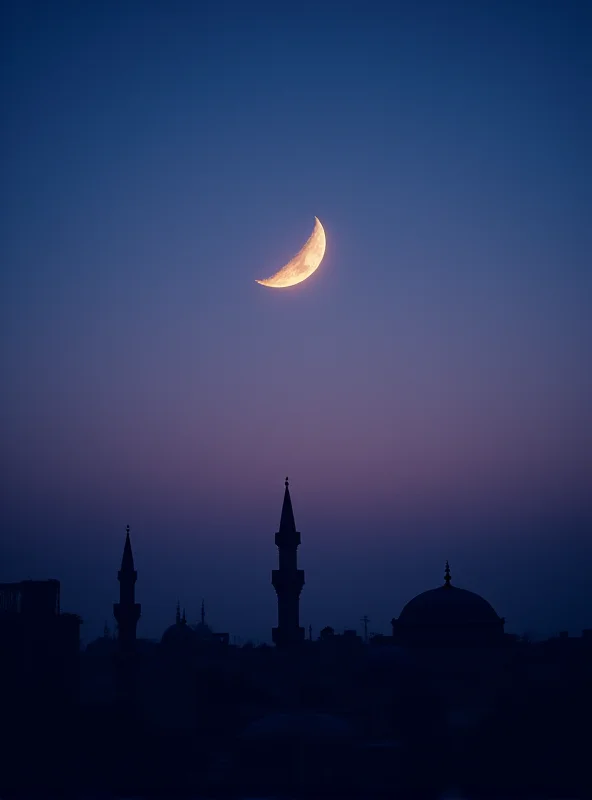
{"x":428,"y":390}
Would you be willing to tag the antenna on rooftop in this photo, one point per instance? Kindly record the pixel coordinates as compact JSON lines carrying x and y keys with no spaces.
{"x":365,"y":621}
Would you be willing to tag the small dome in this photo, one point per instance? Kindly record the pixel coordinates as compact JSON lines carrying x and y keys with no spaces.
{"x":178,"y":635}
{"x":203,"y":631}
{"x":448,"y":605}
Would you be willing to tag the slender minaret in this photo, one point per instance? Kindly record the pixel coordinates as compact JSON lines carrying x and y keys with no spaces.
{"x":127,"y":611}
{"x":288,"y":580}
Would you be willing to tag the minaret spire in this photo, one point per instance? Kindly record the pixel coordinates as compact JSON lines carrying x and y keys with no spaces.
{"x":287,"y":522}
{"x":288,"y":580}
{"x":127,"y":562}
{"x":127,"y":611}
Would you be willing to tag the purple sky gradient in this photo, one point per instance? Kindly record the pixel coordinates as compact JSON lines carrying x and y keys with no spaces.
{"x":427,"y":390}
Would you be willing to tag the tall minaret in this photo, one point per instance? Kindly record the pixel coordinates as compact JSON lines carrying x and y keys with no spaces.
{"x":127,"y":611}
{"x":288,"y":580}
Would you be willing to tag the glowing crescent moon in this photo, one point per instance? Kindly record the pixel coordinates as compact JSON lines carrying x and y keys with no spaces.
{"x":303,"y":264}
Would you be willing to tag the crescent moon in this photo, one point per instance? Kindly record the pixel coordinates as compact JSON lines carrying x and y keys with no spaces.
{"x":303,"y":264}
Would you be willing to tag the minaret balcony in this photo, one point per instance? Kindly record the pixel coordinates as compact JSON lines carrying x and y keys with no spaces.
{"x":287,"y":582}
{"x":287,"y":539}
{"x":126,"y":613}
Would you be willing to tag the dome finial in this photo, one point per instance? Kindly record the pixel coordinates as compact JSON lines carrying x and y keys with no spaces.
{"x":178,"y":614}
{"x":447,"y":577}
{"x":287,"y":518}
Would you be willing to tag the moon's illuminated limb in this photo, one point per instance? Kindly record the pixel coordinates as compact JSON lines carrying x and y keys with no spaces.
{"x":303,"y":264}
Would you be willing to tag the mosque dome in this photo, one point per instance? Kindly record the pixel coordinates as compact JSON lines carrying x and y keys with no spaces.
{"x":180,"y":634}
{"x":448,"y":606}
{"x":183,"y":635}
{"x":449,"y":610}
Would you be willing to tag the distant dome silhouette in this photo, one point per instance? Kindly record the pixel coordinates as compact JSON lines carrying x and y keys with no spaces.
{"x":180,"y":634}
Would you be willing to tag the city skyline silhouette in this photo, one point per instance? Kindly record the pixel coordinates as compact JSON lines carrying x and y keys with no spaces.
{"x":193,"y":611}
{"x":333,"y":714}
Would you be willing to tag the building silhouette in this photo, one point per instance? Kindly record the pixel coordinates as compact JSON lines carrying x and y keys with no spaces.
{"x":288,"y":580}
{"x":39,"y":647}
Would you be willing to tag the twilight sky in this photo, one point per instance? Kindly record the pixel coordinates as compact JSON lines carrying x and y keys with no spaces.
{"x":428,"y":390}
